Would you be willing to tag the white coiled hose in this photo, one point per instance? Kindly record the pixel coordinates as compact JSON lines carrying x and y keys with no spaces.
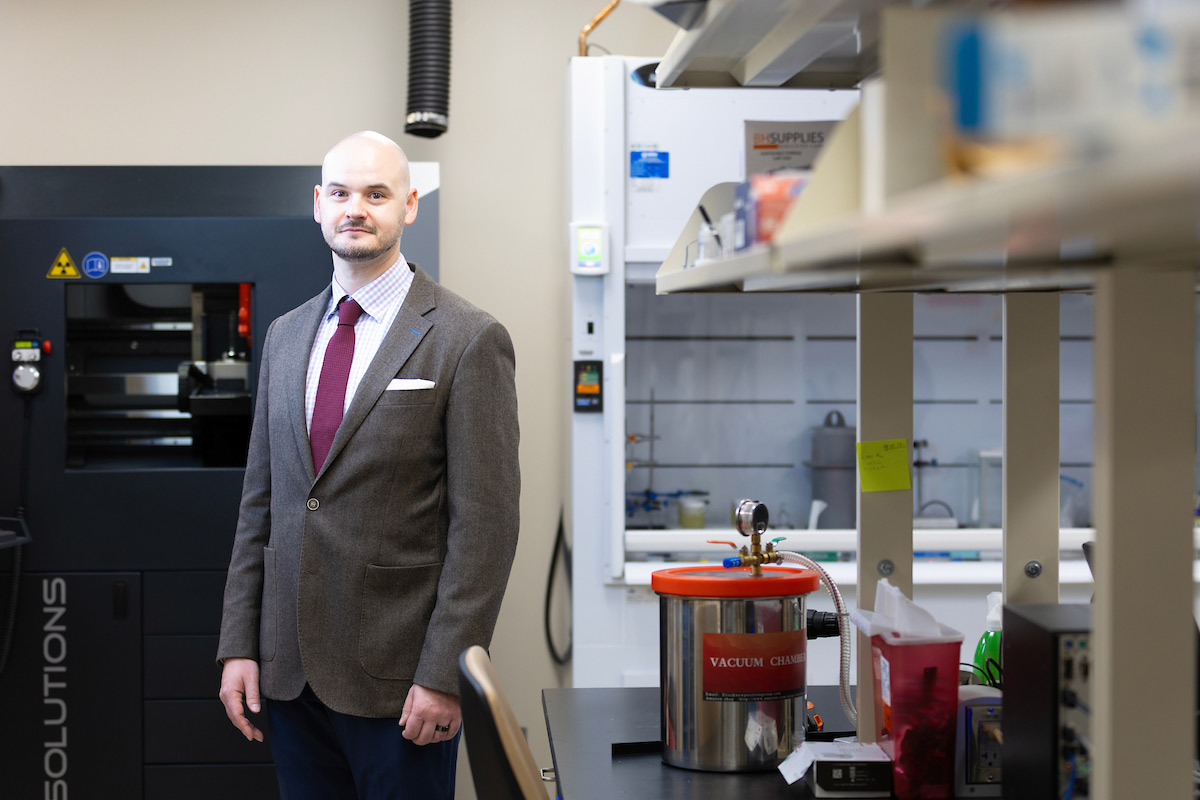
{"x":844,"y":630}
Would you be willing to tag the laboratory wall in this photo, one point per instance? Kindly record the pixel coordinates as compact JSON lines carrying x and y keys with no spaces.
{"x":138,"y":82}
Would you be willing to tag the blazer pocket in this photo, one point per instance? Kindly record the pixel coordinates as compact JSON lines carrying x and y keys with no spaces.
{"x":397,"y":605}
{"x":268,"y":623}
{"x":406,"y":397}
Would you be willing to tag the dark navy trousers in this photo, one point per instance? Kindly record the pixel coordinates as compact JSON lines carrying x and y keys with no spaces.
{"x":323,"y":755}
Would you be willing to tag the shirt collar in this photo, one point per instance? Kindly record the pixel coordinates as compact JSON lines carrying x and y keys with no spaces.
{"x":372,"y":297}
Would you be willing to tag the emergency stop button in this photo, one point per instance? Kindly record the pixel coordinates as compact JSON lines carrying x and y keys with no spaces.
{"x":313,"y":504}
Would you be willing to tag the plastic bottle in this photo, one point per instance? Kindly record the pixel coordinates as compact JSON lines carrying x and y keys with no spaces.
{"x":710,"y":242}
{"x":989,"y":643}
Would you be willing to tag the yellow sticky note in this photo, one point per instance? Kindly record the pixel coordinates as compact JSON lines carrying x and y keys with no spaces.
{"x":883,"y":466}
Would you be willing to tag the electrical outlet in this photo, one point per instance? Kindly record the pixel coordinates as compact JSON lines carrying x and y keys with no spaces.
{"x":978,"y":742}
{"x":987,"y":744}
{"x":983,"y":751}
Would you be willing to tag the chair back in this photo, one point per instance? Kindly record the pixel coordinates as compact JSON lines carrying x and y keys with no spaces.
{"x":502,"y":765}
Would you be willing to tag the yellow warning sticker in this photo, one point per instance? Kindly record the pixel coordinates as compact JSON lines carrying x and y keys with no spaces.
{"x":139,"y":264}
{"x":63,"y":266}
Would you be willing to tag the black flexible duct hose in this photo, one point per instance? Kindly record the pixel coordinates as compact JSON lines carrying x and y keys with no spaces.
{"x":26,"y":432}
{"x":10,"y":618}
{"x":560,"y":546}
{"x":428,"y":68}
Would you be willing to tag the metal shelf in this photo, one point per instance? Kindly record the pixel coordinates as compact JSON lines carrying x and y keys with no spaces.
{"x":771,"y":44}
{"x":925,"y":573}
{"x":1114,"y":210}
{"x":696,"y":540}
{"x":1053,"y":228}
{"x":717,"y":273}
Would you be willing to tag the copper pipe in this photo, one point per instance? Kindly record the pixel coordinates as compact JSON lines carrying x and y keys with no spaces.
{"x":583,"y":34}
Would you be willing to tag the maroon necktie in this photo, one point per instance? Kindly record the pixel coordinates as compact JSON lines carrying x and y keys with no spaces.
{"x":331,"y":388}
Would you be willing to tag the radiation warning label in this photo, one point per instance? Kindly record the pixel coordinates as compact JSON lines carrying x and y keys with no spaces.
{"x":63,"y":266}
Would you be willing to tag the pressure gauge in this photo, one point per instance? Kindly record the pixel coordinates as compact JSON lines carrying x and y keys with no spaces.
{"x":27,"y":378}
{"x":751,"y":518}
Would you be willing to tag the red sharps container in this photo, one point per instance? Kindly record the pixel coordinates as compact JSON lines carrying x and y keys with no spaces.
{"x":916,"y":701}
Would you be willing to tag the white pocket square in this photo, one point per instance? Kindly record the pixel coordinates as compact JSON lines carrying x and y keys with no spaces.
{"x":403,"y":384}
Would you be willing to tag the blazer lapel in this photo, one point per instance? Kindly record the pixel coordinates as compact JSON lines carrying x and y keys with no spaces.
{"x":295,"y":375}
{"x":408,"y":329}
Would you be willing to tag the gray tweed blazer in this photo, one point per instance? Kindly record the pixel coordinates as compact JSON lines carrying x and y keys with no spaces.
{"x":376,"y":573}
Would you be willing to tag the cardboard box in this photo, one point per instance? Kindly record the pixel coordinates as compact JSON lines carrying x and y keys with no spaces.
{"x":1070,"y":72}
{"x":773,"y":193}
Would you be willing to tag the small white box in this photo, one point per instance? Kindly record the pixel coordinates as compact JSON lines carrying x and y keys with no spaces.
{"x":840,"y":769}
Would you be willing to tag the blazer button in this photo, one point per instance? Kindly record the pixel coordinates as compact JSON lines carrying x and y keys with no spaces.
{"x":313,"y":504}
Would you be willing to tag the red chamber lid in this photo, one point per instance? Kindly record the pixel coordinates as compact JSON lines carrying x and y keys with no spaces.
{"x":717,"y":581}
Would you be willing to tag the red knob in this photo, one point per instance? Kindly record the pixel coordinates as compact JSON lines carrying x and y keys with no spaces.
{"x":46,"y":346}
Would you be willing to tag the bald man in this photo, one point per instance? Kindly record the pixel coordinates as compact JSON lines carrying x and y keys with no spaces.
{"x":379,"y":513}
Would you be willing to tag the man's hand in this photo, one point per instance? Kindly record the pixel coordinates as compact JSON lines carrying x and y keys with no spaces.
{"x":239,"y":679}
{"x":429,"y":715}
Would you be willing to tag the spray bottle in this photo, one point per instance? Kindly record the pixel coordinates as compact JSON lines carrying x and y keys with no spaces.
{"x":988,"y":649}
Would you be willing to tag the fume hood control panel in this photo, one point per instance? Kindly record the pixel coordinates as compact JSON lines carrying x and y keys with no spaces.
{"x":589,"y":248}
{"x":589,"y":386}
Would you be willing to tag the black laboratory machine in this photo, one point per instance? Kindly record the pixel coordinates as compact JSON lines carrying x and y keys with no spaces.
{"x":136,"y":301}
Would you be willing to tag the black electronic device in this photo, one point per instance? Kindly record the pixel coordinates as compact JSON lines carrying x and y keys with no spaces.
{"x":1047,"y":701}
{"x":1089,"y":554}
{"x":27,"y":350}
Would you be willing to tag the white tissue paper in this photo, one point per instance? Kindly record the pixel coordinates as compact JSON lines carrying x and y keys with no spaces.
{"x":895,"y":614}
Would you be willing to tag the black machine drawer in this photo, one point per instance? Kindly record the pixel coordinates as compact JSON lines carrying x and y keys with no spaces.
{"x":211,"y":781}
{"x":198,"y":732}
{"x":180,"y":667}
{"x":183,"y":602}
